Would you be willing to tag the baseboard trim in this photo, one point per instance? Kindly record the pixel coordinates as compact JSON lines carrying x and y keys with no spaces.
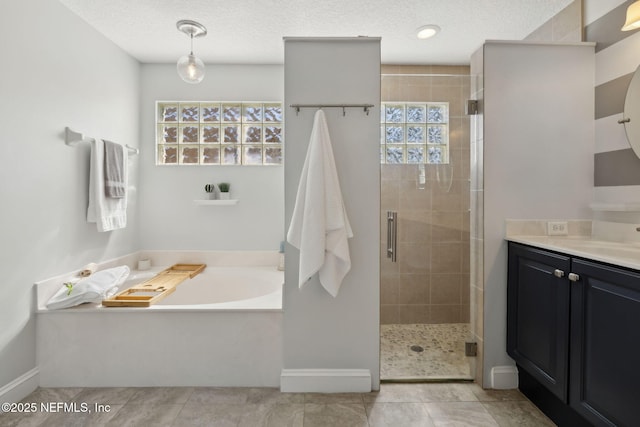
{"x":325,"y":381}
{"x":504,"y":377}
{"x":21,"y":387}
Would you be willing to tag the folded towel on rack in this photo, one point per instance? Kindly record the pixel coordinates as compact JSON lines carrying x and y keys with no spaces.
{"x":108,"y":213}
{"x":114,"y":166}
{"x":319,"y":225}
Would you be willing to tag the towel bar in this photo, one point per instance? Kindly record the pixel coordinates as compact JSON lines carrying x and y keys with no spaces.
{"x":72,"y":138}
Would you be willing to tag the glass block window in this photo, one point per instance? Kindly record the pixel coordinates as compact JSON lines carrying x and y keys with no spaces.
{"x":219,"y":133}
{"x":414,"y":133}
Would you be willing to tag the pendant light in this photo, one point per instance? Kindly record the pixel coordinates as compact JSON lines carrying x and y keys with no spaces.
{"x":190,"y":67}
{"x":633,"y":17}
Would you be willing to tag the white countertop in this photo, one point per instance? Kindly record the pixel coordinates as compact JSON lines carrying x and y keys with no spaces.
{"x":617,"y":253}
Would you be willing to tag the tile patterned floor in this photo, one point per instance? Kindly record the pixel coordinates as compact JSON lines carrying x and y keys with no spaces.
{"x":442,"y":356}
{"x":397,"y":405}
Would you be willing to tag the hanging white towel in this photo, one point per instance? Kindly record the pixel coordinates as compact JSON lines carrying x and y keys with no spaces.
{"x":114,"y":166}
{"x":319,"y":226}
{"x":108,"y":213}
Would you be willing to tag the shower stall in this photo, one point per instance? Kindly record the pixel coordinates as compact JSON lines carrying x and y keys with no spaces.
{"x":425,"y":235}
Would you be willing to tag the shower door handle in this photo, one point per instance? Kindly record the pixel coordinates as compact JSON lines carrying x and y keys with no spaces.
{"x":392,"y":235}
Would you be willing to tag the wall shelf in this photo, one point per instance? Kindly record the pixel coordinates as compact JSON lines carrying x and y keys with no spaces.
{"x":216,"y":202}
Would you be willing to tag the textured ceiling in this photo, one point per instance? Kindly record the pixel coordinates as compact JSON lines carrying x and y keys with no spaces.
{"x":245,"y":31}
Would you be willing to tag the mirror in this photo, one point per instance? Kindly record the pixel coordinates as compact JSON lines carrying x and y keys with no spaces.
{"x":631,"y":115}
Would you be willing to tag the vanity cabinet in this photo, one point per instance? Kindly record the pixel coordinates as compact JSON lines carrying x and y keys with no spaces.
{"x":605,"y":344}
{"x":573,"y":326}
{"x":538,"y":315}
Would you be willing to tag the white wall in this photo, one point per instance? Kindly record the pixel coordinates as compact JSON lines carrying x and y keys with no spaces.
{"x":538,"y":156}
{"x":171,"y":220}
{"x":594,"y":9}
{"x":56,"y":72}
{"x":322,"y":332}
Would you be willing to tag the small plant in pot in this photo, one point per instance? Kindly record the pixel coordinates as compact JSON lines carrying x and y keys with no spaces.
{"x":224,"y":188}
{"x":211,"y":190}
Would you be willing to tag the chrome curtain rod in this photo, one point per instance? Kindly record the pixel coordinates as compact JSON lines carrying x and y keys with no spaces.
{"x":366,"y":107}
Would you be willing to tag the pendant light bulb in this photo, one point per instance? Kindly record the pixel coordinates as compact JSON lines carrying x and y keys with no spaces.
{"x":191,"y":68}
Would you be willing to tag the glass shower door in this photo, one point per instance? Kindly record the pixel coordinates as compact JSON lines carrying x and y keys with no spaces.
{"x":424,"y":155}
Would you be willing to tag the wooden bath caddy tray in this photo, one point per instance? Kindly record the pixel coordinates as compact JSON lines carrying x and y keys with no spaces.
{"x":156,"y":288}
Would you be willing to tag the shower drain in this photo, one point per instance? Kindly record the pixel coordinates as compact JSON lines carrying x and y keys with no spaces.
{"x":417,"y":348}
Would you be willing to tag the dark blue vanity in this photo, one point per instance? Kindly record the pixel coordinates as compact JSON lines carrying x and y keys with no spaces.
{"x":573,"y":328}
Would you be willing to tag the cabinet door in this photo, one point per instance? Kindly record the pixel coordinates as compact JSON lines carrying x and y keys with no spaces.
{"x":538,"y":315}
{"x":605,"y":344}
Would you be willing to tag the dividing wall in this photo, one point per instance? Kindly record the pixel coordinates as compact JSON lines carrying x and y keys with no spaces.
{"x":322,"y":332}
{"x":532,"y":158}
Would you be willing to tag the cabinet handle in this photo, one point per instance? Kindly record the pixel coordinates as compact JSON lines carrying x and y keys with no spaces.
{"x":574,"y":277}
{"x":558,"y":273}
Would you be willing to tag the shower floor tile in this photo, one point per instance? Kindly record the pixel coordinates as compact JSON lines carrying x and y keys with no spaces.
{"x":442,"y":356}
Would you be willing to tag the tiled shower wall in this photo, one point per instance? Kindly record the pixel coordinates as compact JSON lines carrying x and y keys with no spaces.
{"x":429,"y":283}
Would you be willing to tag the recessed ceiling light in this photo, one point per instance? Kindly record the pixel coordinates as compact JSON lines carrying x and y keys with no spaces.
{"x":427,"y":31}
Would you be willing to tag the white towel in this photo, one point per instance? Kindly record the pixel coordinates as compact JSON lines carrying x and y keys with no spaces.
{"x":114,"y":166}
{"x":319,"y":225}
{"x":95,"y":288}
{"x":108,"y":213}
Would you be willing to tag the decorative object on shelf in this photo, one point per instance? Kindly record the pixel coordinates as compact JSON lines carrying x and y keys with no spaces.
{"x":224,"y":188}
{"x":191,"y":68}
{"x":211,"y":189}
{"x":633,"y":17}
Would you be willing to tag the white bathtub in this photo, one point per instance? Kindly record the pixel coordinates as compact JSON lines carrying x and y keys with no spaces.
{"x":221,"y":288}
{"x":221,"y":328}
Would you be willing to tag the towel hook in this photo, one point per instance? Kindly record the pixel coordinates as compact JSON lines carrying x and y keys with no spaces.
{"x":366,"y":107}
